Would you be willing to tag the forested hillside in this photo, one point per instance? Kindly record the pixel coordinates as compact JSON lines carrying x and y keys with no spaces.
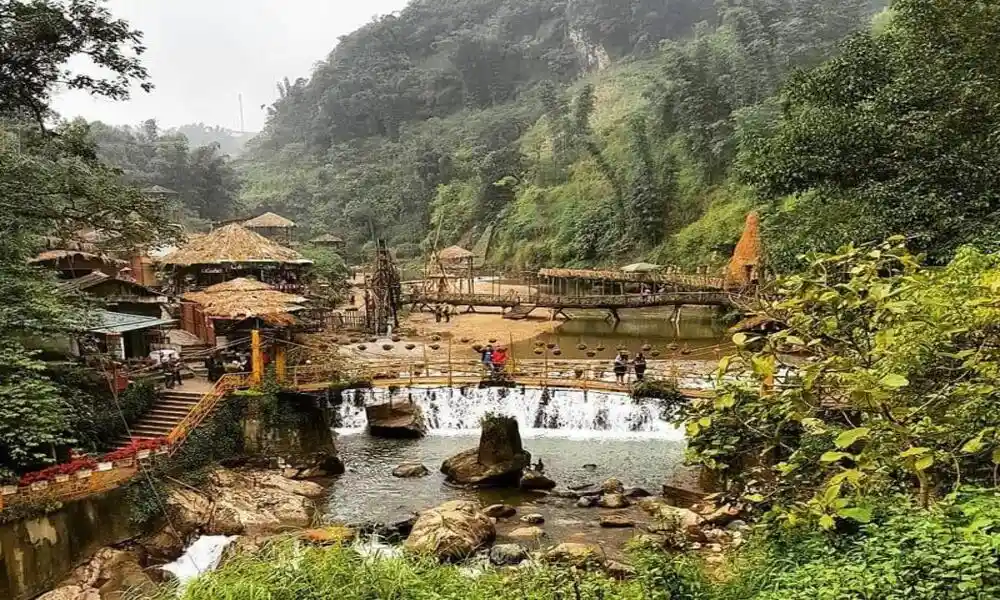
{"x":198,"y":169}
{"x":574,"y":131}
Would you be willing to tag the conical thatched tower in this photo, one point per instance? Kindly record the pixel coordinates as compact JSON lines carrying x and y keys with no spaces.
{"x":745,"y":265}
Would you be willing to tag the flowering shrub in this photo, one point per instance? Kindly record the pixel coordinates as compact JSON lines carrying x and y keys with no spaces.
{"x":132,"y":449}
{"x":69,"y":468}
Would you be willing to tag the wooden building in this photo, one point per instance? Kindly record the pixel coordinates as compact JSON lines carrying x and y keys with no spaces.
{"x":272,"y":226}
{"x":235,"y":307}
{"x":328,"y":241}
{"x":452,"y":270}
{"x":120,"y":335}
{"x":233,"y":252}
{"x":75,"y":258}
{"x":119,"y":295}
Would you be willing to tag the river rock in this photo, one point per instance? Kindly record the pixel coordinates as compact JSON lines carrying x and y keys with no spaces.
{"x":586,"y":502}
{"x":578,"y":487}
{"x":613,"y":501}
{"x":575,"y":554}
{"x":163,"y":546}
{"x":567,"y":494}
{"x":616,"y":522}
{"x":410,"y":470}
{"x":72,"y":592}
{"x":533,"y":480}
{"x":500,"y":511}
{"x":649,"y":540}
{"x":672,"y":518}
{"x":498,"y":461}
{"x":619,"y":570}
{"x":396,"y":420}
{"x":507,"y":555}
{"x":612,"y":486}
{"x":722,"y":516}
{"x":527,"y":533}
{"x":452,"y":531}
{"x":636,"y":492}
{"x":313,"y":466}
{"x":243,"y":503}
{"x":533,"y":519}
{"x":737,"y":525}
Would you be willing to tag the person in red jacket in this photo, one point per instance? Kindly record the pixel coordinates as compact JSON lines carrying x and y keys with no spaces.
{"x":499,"y":359}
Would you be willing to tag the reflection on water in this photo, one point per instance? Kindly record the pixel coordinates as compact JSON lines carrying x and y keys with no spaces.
{"x":368,"y":492}
{"x":697,"y":332}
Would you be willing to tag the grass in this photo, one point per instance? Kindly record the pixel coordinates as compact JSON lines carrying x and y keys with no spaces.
{"x":285,"y":570}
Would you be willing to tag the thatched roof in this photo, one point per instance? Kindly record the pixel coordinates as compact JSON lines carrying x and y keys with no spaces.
{"x":57,"y":255}
{"x":240,"y":284}
{"x":244,"y":299}
{"x":748,"y":253}
{"x":232,"y":244}
{"x":327,"y":239}
{"x":269,"y":219}
{"x":454,"y":253}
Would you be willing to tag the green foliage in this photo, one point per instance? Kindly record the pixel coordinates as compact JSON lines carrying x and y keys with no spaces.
{"x":331,"y":268}
{"x":946,"y":553}
{"x":218,"y":438}
{"x":893,"y":388}
{"x":896,"y":136}
{"x":202,"y":177}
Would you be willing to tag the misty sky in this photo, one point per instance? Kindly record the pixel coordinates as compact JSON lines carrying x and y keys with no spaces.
{"x":203,"y":53}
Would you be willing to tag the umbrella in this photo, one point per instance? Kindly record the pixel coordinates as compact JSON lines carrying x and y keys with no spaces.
{"x":641,"y":267}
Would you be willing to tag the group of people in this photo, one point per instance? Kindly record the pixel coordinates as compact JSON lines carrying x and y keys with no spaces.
{"x":494,"y":359}
{"x":622,"y":365}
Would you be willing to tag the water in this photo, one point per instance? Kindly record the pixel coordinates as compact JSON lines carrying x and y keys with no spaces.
{"x":202,"y":556}
{"x":697,"y":335}
{"x":559,"y":413}
{"x":583,"y":438}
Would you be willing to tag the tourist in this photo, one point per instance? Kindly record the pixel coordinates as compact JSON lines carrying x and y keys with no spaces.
{"x":621,"y":368}
{"x":437,"y":314}
{"x":499,"y":359}
{"x":640,"y":366}
{"x":488,"y":358}
{"x":174,"y":375}
{"x":211,"y":365}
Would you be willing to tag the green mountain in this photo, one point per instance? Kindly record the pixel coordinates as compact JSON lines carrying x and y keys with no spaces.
{"x":575,"y":132}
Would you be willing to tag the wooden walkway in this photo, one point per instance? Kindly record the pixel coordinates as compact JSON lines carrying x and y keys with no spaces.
{"x":559,"y":303}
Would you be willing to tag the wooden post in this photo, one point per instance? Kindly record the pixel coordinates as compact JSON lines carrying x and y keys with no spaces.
{"x":256,"y":358}
{"x":450,"y":369}
{"x":280,"y":362}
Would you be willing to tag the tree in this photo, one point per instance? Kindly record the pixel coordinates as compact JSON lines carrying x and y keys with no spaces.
{"x":892,"y":389}
{"x":52,"y":184}
{"x":37,"y":40}
{"x":901,"y":126}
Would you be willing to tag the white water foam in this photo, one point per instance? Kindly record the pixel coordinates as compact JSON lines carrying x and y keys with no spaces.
{"x":550,"y":413}
{"x":202,"y":556}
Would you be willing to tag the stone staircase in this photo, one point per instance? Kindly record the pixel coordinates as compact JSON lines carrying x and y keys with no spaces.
{"x":170,"y":409}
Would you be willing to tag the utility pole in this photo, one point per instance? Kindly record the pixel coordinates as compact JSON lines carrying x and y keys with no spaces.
{"x":242,"y":126}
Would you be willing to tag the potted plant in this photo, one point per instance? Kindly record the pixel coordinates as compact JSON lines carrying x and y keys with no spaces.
{"x":105,"y":466}
{"x":8,"y":490}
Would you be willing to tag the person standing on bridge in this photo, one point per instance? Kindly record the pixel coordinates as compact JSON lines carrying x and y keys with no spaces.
{"x":488,"y":358}
{"x":639,"y":364}
{"x":621,"y":367}
{"x":499,"y":359}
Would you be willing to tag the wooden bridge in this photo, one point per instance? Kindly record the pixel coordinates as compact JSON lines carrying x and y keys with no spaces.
{"x":522,"y":307}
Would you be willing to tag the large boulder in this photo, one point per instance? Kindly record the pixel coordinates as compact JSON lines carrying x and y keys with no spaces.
{"x":527,"y":533}
{"x":243,"y":503}
{"x":498,"y":461}
{"x":612,"y":486}
{"x":396,"y":420}
{"x":452,"y":531}
{"x":533,"y":480}
{"x":500,"y":511}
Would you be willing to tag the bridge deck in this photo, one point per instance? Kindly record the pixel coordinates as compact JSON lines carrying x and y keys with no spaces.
{"x":606,"y":302}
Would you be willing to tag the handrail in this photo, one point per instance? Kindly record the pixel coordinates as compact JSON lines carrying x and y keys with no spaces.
{"x":227,"y":383}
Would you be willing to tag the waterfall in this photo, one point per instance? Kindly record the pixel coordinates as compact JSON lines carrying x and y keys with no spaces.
{"x":551,"y":412}
{"x":202,"y":556}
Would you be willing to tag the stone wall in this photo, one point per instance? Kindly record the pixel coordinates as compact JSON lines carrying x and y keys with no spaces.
{"x":300,"y":436}
{"x":36,"y":554}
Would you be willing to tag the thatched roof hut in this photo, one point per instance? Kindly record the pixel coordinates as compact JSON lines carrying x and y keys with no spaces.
{"x":244,"y":299}
{"x":327,"y":240}
{"x":454,"y":254}
{"x":269,"y":220}
{"x":232,"y":244}
{"x":744,"y":267}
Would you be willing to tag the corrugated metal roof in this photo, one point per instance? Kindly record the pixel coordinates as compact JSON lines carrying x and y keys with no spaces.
{"x":113,"y":322}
